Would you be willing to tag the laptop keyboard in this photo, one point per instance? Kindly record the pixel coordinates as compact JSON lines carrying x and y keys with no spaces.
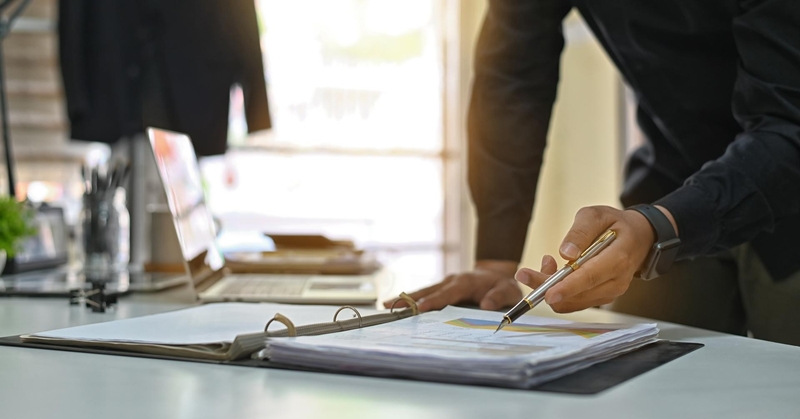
{"x":259,"y":285}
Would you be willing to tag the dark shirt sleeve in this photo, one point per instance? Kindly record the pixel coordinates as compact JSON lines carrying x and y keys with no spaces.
{"x":756,"y":183}
{"x":516,"y":73}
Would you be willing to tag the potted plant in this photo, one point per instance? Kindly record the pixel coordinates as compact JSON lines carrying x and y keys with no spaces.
{"x":14,"y":226}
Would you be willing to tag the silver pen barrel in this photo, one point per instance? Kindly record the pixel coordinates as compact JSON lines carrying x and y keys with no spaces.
{"x":536,"y":296}
{"x":594,"y":249}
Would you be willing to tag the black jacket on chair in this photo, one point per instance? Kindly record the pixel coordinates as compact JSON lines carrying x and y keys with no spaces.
{"x":129,"y":64}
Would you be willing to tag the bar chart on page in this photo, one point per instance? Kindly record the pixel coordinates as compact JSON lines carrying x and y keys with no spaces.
{"x":527,"y":328}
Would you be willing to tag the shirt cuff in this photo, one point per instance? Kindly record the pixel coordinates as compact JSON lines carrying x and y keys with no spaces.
{"x":501,"y":238}
{"x":694,"y":214}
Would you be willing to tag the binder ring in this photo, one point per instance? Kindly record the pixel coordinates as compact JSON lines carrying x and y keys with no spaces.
{"x":351,"y":308}
{"x":280,"y":318}
{"x":410,"y":301}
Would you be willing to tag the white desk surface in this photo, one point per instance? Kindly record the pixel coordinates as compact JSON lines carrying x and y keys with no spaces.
{"x":730,"y":377}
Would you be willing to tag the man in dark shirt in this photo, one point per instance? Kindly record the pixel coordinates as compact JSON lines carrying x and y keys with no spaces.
{"x":717,"y":84}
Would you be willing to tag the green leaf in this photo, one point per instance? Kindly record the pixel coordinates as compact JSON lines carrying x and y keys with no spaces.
{"x":15,"y":224}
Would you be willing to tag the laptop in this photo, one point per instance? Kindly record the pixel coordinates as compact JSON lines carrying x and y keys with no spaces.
{"x":205,"y":263}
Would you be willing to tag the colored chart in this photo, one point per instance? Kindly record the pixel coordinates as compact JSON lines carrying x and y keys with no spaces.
{"x":526,"y":328}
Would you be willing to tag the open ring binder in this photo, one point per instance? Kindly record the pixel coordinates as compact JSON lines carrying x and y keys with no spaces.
{"x":243,"y":345}
{"x":257,"y":349}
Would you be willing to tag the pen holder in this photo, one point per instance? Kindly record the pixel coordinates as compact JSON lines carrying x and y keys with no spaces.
{"x":105,"y":234}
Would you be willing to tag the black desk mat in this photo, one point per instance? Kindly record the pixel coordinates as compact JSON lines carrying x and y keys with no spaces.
{"x":602,"y":376}
{"x":592,"y":380}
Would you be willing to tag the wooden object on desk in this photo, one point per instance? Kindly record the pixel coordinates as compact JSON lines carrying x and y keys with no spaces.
{"x":305,"y":254}
{"x":294,"y":254}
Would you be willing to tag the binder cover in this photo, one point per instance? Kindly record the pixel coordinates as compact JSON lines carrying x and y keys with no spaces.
{"x":591,"y":380}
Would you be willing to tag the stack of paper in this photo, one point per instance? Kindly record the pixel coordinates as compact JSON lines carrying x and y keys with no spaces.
{"x":459,"y":345}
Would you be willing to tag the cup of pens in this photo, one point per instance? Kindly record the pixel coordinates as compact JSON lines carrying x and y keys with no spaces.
{"x":105,"y":222}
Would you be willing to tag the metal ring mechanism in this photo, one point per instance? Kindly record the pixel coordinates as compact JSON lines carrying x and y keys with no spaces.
{"x":351,"y":308}
{"x":410,"y":301}
{"x":280,"y":318}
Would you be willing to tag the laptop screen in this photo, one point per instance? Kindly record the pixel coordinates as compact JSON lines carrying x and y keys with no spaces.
{"x":194,"y":225}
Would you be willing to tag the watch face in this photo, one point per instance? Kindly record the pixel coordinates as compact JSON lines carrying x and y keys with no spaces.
{"x":660,"y":259}
{"x":666,"y":253}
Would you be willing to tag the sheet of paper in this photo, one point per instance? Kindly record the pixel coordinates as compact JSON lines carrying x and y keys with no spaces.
{"x":210,"y":323}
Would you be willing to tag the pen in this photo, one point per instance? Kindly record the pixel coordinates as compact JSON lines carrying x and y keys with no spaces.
{"x":536,"y":296}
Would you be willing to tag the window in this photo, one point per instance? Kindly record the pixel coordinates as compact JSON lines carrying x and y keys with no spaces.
{"x":357,"y":149}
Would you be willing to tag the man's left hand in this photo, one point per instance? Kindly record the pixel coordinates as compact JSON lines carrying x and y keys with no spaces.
{"x":606,"y":276}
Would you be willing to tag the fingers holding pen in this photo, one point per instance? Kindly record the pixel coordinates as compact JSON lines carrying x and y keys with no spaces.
{"x":589,"y":277}
{"x":590,"y":222}
{"x":549,"y":265}
{"x":608,"y":274}
{"x":591,"y":288}
{"x":602,"y":278}
{"x":532,"y":278}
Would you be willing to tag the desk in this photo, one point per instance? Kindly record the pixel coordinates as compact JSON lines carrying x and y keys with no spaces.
{"x":730,"y":377}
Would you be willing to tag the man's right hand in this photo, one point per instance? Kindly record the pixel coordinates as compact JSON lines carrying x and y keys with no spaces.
{"x":491,"y":285}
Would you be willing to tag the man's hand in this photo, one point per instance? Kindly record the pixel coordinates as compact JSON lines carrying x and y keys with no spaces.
{"x":491,"y":285}
{"x":606,"y":276}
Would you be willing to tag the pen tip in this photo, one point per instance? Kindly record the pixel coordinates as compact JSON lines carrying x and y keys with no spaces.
{"x":501,"y":325}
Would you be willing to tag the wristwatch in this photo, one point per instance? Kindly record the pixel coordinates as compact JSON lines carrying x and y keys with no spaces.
{"x":665,"y":249}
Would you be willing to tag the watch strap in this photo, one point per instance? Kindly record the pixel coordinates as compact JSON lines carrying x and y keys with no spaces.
{"x":665,"y":248}
{"x":660,"y":223}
